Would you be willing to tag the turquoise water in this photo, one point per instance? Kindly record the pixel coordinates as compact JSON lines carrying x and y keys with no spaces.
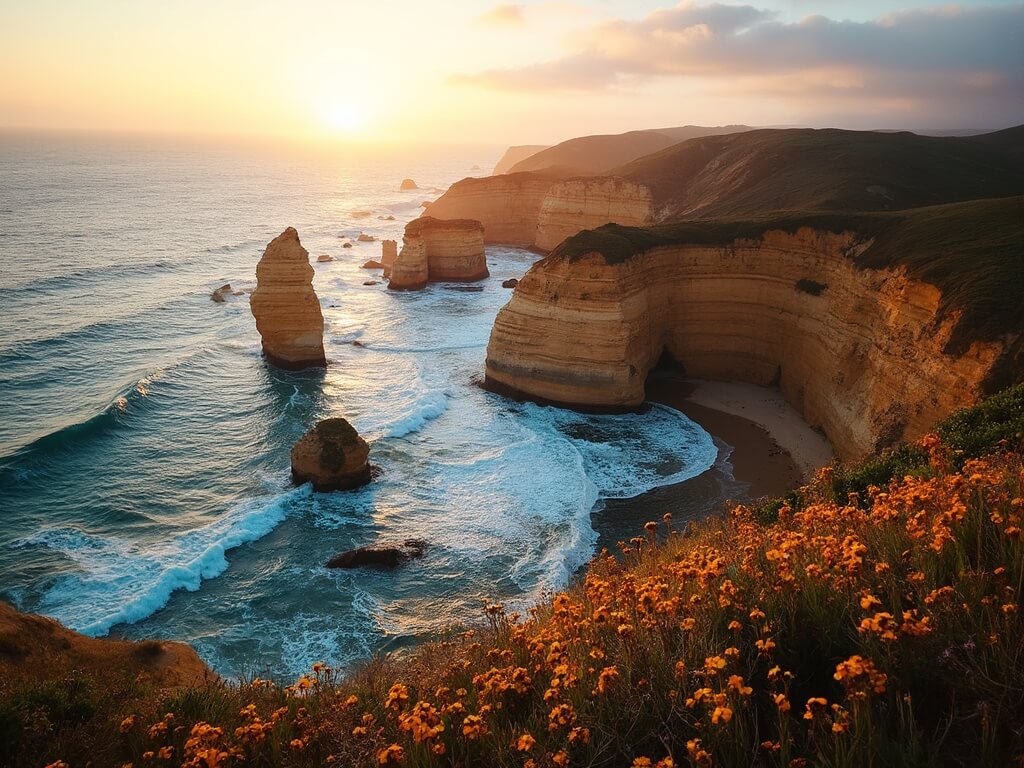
{"x":144,"y":477}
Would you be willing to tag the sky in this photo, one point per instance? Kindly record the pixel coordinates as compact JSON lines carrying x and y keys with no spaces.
{"x":408,"y":71}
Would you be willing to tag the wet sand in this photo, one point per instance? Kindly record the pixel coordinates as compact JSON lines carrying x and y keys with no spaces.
{"x":765,"y":449}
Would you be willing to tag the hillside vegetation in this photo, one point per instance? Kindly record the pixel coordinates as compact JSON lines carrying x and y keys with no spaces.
{"x":871,"y":618}
{"x":598,"y":154}
{"x":754,"y":172}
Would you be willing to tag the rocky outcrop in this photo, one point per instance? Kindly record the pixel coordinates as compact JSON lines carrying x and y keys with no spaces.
{"x":510,"y":283}
{"x":863,"y":354}
{"x":286,"y":307}
{"x":507,"y":206}
{"x":332,"y":456}
{"x":578,"y":204}
{"x":436,"y":249}
{"x":407,"y":185}
{"x":219,"y":293}
{"x":380,"y":556}
{"x":39,"y":648}
{"x":365,"y":238}
{"x":324,"y":257}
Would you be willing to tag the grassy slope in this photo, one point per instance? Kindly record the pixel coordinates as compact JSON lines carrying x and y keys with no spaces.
{"x":973,"y":251}
{"x":805,"y":169}
{"x":597,"y":154}
{"x":881,"y":630}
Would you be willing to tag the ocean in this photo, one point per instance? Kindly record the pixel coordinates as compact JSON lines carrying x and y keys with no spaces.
{"x":145,"y":488}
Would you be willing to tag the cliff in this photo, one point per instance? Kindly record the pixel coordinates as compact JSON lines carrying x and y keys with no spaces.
{"x":515,"y":154}
{"x":868,"y":338}
{"x":507,"y":206}
{"x":286,"y":307}
{"x":745,"y":173}
{"x":576,"y":204}
{"x":435,"y":249}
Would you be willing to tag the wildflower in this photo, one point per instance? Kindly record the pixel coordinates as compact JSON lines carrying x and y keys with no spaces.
{"x":392,"y":755}
{"x":525,"y":743}
{"x":782,"y":702}
{"x":721,"y":714}
{"x":397,"y":697}
{"x":579,"y":736}
{"x":560,"y":758}
{"x":814,"y":706}
{"x":165,"y":753}
{"x":128,"y":724}
{"x":736,"y":683}
{"x":642,"y":762}
{"x":473,"y":727}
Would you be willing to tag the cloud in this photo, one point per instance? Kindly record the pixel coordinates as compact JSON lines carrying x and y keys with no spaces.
{"x":504,"y":14}
{"x":904,"y":58}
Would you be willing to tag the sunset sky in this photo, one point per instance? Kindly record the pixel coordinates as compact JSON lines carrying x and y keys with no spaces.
{"x":413,"y":71}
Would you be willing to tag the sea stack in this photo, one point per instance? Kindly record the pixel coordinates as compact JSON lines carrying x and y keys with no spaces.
{"x":285,"y":305}
{"x":439,"y":249}
{"x":388,"y":254}
{"x":408,"y":184}
{"x":332,"y":456}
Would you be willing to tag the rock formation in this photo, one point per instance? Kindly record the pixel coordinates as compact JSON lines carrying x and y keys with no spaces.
{"x":380,"y":556}
{"x":219,"y":293}
{"x":864,"y":354}
{"x":539,"y":210}
{"x":332,"y":456}
{"x":324,"y":257}
{"x":571,"y":206}
{"x":371,"y":264}
{"x":388,"y":254}
{"x":285,"y":306}
{"x":510,"y":283}
{"x":365,"y":238}
{"x":435,"y":249}
{"x":408,"y":184}
{"x":40,"y":648}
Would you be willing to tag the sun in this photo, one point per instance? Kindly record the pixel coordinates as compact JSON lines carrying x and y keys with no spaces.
{"x":345,"y":118}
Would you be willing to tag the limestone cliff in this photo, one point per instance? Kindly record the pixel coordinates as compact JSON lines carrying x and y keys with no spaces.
{"x":514,"y":155}
{"x":577,"y":204}
{"x":436,"y":249}
{"x":862,"y":353}
{"x":539,"y":210}
{"x":286,"y":307}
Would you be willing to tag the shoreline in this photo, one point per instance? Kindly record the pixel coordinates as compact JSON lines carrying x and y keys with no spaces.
{"x":765,"y":448}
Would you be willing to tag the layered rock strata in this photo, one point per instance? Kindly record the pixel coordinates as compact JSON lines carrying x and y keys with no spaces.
{"x":861,"y":353}
{"x":286,"y":307}
{"x":332,"y":456}
{"x":538,"y":211}
{"x":578,"y":204}
{"x":435,"y":249}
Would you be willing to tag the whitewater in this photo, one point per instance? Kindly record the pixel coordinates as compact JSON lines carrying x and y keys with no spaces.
{"x":144,"y":476}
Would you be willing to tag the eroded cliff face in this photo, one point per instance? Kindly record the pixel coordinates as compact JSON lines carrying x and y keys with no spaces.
{"x":572,"y":206}
{"x":540,"y":210}
{"x":437,"y":249}
{"x":859,"y":352}
{"x":507,"y":206}
{"x":286,"y":307}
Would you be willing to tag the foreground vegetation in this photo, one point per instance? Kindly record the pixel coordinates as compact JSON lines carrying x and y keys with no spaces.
{"x":871,"y":619}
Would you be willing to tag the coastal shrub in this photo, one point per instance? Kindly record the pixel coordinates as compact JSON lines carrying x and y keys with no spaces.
{"x":883,"y":633}
{"x":974,"y":431}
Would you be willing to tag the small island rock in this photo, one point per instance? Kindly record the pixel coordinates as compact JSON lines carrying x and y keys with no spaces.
{"x":332,"y":456}
{"x":324,"y":257}
{"x":380,"y":556}
{"x":408,"y":184}
{"x":511,"y":283}
{"x":365,"y":238}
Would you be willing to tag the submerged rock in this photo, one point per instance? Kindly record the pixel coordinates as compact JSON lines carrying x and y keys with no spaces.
{"x":346,"y":245}
{"x":408,"y":184}
{"x":286,"y":307}
{"x":369,"y":282}
{"x":510,"y":283}
{"x":219,"y":293}
{"x":332,"y":456}
{"x":379,"y":556}
{"x":324,"y":257}
{"x":365,"y":238}
{"x":372,"y":264}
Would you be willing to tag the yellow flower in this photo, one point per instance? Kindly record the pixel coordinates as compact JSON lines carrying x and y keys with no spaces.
{"x":525,"y":743}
